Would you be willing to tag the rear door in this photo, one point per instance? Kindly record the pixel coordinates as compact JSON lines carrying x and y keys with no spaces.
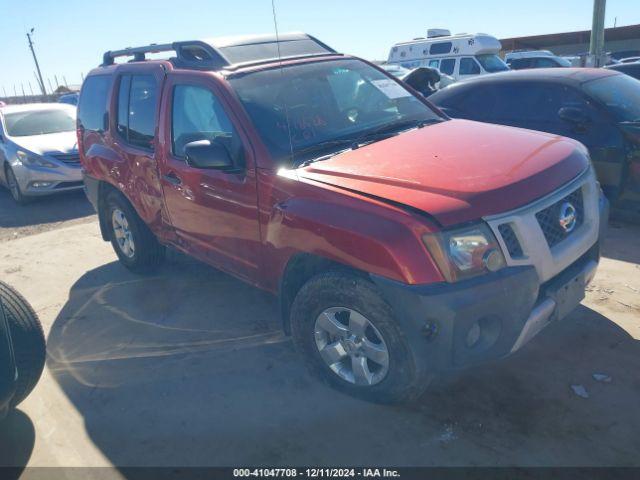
{"x":214,"y":212}
{"x":133,"y":137}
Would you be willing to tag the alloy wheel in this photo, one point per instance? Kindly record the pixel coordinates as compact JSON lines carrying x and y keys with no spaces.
{"x":122,"y":232}
{"x":351,"y":346}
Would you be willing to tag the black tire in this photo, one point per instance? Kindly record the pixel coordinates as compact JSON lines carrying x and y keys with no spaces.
{"x":149,"y":253}
{"x":29,"y":346}
{"x":343,"y":289}
{"x":14,"y":187}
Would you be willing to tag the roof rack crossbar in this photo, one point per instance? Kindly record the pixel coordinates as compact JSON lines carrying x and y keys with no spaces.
{"x":137,"y":52}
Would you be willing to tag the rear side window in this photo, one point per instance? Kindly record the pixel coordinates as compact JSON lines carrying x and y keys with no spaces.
{"x":468,"y":66}
{"x":440,"y":48}
{"x":434,"y":63}
{"x":447,"y":66}
{"x":92,"y":108}
{"x":137,"y":100}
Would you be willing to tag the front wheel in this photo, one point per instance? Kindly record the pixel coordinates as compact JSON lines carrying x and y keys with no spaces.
{"x":349,"y":336}
{"x":14,"y":187}
{"x":136,"y":246}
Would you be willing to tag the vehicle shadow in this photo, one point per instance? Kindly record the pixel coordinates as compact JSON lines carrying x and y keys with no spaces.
{"x":617,"y":244}
{"x":17,"y":437}
{"x":189,"y":368}
{"x":54,"y":208}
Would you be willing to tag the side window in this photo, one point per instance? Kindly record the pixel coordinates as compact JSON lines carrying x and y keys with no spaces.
{"x":468,"y":66}
{"x":122,"y":124}
{"x":197,"y":114}
{"x":434,"y":63}
{"x":137,"y":101}
{"x":92,"y":108}
{"x":142,"y":110}
{"x":440,"y":48}
{"x":447,"y":66}
{"x":545,"y":63}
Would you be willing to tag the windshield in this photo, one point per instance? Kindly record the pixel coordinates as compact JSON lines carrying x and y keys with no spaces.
{"x":39,"y":122}
{"x":620,"y":94}
{"x":492,"y":63}
{"x":324,"y":104}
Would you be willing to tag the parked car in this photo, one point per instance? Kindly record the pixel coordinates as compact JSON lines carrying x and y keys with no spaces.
{"x":598,"y":107}
{"x":535,"y":59}
{"x":22,"y":349}
{"x":38,"y":150}
{"x":619,"y":55}
{"x":69,"y":98}
{"x":400,"y":243}
{"x":629,"y":60}
{"x":631,"y":69}
{"x":459,"y":56}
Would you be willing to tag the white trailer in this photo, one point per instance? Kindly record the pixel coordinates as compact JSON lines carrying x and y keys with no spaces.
{"x":459,"y":56}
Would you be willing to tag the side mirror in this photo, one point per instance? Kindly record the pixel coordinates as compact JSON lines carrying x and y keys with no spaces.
{"x":207,"y":154}
{"x":574,"y":115}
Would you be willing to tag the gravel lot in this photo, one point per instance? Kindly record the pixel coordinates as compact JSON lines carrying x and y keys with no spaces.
{"x":189,"y":367}
{"x":42,"y":214}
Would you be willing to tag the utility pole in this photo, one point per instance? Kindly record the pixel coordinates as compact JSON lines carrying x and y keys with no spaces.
{"x":35,"y":59}
{"x":596,"y":47}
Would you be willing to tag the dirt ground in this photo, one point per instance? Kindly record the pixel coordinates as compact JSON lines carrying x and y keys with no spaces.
{"x":189,"y":367}
{"x":42,"y":214}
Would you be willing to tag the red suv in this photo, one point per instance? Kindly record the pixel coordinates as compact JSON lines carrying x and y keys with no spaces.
{"x":401,"y":243}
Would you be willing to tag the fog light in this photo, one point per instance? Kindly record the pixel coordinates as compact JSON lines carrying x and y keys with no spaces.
{"x":473,"y":335}
{"x":41,"y":184}
{"x":492,"y":260}
{"x":430,"y":330}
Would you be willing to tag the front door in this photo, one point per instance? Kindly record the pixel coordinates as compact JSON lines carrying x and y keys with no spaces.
{"x":214,"y":212}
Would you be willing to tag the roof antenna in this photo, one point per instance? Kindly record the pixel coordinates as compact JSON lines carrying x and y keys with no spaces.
{"x":286,"y":109}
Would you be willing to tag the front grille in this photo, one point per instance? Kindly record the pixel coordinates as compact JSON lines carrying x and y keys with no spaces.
{"x":68,"y":158}
{"x":549,"y":218}
{"x":510,"y":240}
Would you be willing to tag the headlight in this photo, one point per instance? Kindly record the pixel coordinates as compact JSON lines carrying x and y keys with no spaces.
{"x":465,"y":252}
{"x":31,"y":159}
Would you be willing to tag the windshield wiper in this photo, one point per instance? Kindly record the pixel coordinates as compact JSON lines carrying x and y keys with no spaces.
{"x":391,"y":129}
{"x":323,"y":146}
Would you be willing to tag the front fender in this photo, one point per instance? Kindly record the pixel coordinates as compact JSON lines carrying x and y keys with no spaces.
{"x":358,"y":232}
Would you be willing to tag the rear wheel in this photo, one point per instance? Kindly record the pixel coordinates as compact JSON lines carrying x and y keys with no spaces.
{"x":14,"y":187}
{"x":136,"y":246}
{"x":27,"y":338}
{"x":350,"y":338}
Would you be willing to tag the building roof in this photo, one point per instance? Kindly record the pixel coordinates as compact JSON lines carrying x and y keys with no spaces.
{"x":628,"y":32}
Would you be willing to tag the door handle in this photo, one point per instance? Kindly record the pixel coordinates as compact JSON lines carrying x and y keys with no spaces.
{"x":172,"y":178}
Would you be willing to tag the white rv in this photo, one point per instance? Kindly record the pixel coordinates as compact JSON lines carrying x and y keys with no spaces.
{"x":459,"y":56}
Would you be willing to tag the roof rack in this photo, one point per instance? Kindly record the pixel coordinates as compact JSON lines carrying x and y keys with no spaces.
{"x":228,"y":51}
{"x":195,"y":52}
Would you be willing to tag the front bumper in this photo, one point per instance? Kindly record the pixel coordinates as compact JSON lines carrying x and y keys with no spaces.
{"x":37,"y":180}
{"x":450,"y":326}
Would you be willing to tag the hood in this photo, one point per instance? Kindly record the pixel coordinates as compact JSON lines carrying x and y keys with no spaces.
{"x":63,"y":142}
{"x":458,"y":170}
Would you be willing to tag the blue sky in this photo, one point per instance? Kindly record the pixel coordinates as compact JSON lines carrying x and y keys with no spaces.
{"x":71,"y":35}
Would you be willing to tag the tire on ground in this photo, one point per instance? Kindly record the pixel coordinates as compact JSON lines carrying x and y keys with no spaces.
{"x":343,"y":289}
{"x":28,"y":340}
{"x":148,"y":253}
